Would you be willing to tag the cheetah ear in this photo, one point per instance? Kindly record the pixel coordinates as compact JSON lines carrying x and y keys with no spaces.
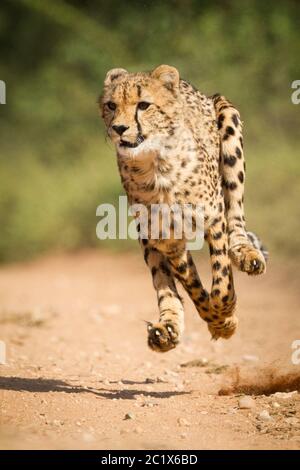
{"x":168,"y":75}
{"x":113,"y":74}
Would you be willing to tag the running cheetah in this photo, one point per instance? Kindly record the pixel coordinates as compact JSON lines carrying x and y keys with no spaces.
{"x":176,"y":145}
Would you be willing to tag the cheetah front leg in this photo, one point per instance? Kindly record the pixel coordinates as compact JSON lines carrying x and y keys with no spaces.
{"x":247,"y":255}
{"x":165,"y":334}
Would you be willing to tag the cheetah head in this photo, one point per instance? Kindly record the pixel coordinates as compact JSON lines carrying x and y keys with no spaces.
{"x":141,"y":109}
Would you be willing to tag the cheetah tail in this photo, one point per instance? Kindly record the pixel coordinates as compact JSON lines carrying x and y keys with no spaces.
{"x":257,"y":243}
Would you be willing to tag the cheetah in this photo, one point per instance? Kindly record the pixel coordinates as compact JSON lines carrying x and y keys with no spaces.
{"x":176,"y":145}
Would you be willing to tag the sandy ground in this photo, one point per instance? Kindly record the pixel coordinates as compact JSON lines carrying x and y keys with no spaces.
{"x":80,"y":375}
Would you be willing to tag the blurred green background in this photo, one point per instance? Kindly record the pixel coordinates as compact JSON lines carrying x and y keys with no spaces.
{"x":55,"y":164}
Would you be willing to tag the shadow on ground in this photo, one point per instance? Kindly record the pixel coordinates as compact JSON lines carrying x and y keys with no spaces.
{"x":21,"y":384}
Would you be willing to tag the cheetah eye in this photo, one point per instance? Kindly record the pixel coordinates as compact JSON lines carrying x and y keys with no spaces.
{"x":143,"y":105}
{"x":111,"y":105}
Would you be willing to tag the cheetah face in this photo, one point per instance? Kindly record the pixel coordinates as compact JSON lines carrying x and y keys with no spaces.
{"x":141,"y":109}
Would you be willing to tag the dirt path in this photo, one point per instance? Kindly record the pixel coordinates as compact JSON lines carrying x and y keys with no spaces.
{"x":78,"y":364}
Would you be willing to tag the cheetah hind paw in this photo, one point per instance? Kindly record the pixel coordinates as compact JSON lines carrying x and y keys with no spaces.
{"x":223,"y":330}
{"x":162,"y":337}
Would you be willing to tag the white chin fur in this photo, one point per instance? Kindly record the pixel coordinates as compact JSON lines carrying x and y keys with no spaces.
{"x":150,"y":145}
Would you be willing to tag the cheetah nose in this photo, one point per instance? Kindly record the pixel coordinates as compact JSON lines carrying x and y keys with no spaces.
{"x":120,"y":129}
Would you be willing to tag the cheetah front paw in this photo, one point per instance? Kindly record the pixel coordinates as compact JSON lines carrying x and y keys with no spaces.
{"x":248,"y":259}
{"x":162,"y":336}
{"x":225,"y":329}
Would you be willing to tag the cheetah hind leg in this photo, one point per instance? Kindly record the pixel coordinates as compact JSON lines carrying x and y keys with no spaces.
{"x":249,"y":257}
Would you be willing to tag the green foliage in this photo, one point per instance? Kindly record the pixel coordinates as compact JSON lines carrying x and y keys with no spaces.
{"x":55,"y":164}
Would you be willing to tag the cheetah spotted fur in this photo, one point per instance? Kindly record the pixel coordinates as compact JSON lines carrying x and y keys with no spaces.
{"x":176,"y":145}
